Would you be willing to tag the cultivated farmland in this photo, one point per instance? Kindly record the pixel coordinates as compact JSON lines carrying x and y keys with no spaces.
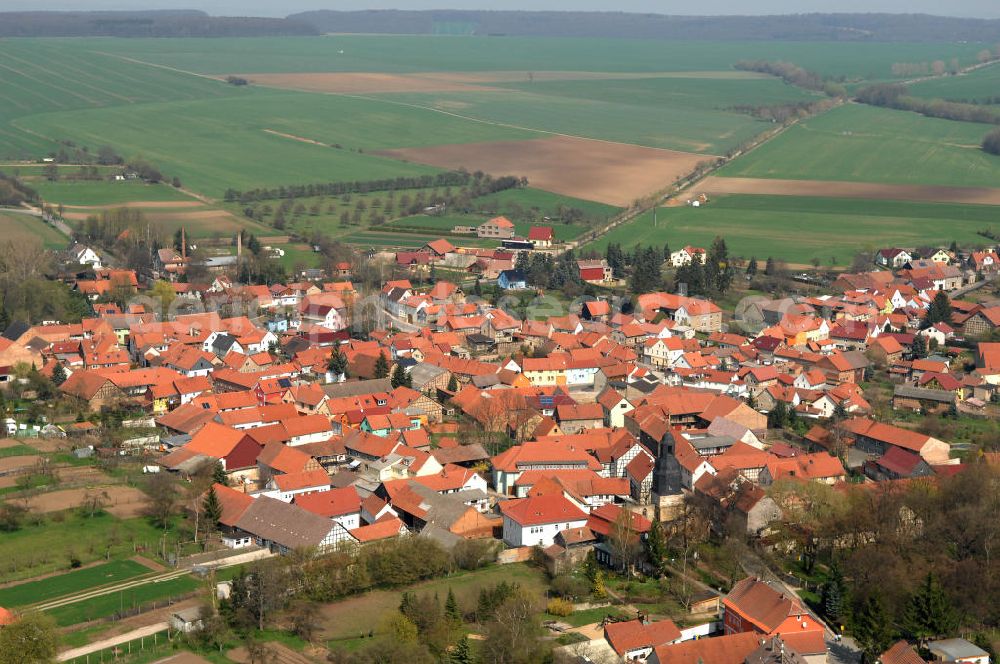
{"x":978,"y":86}
{"x":611,"y":173}
{"x":409,"y":54}
{"x":20,"y":227}
{"x":858,"y":143}
{"x":825,"y":229}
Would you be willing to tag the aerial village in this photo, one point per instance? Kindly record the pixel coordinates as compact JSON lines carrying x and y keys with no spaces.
{"x":595,"y":437}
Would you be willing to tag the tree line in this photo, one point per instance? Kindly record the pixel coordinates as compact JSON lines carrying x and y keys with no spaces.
{"x":14,"y":192}
{"x":899,"y":559}
{"x":184,"y":23}
{"x":894,"y":95}
{"x":480,"y":181}
{"x":793,"y":75}
{"x":782,"y":113}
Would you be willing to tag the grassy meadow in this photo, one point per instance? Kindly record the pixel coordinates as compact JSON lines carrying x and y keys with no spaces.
{"x":24,"y":227}
{"x":800,"y":229}
{"x":71,"y":582}
{"x":974,"y":87}
{"x":866,"y":144}
{"x":105,"y":192}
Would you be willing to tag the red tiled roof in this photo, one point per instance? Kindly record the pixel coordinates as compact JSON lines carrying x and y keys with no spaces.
{"x":540,"y":510}
{"x":336,"y":502}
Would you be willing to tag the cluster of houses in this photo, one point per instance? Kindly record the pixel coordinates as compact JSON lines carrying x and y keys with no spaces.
{"x":543,"y":434}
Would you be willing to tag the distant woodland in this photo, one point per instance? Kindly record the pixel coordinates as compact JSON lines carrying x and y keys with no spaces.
{"x":804,"y":27}
{"x":801,"y":27}
{"x":144,"y":24}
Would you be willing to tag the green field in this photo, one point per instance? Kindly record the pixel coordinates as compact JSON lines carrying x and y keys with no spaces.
{"x":24,"y":227}
{"x":47,"y":546}
{"x":45,"y":76}
{"x":972,"y":87}
{"x":689,"y":114}
{"x":357,"y":615}
{"x":107,"y":605}
{"x":798,"y":230}
{"x":456,"y":53}
{"x":52,"y":587}
{"x":866,"y":144}
{"x":77,"y":192}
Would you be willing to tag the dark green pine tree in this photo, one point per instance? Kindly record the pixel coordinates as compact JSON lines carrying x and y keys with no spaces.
{"x":939,"y":310}
{"x":58,"y":375}
{"x":382,"y":366}
{"x":462,"y":654}
{"x":477,"y":290}
{"x":337,"y":364}
{"x":397,"y":376}
{"x":452,"y":384}
{"x":930,"y":613}
{"x":834,"y":591}
{"x":919,"y":347}
{"x":452,"y":612}
{"x":752,"y":267}
{"x":778,"y":417}
{"x":769,"y":267}
{"x":212,"y":508}
{"x":873,"y":629}
{"x":656,"y":546}
{"x":219,"y":474}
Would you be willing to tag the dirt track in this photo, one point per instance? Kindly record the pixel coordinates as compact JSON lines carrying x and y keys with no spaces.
{"x":833,"y":189}
{"x":612,"y":173}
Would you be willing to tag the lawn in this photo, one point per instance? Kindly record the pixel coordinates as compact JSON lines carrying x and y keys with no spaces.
{"x":689,"y":114}
{"x":977,"y":86}
{"x":52,"y":587}
{"x":95,"y":193}
{"x":16,"y":450}
{"x":354,"y":616}
{"x":404,"y":53}
{"x":536,"y":203}
{"x":24,"y":227}
{"x":866,"y":144}
{"x":107,"y":605}
{"x":800,"y":229}
{"x":47,"y":546}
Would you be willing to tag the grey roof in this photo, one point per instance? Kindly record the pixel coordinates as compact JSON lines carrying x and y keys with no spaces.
{"x":423,"y":373}
{"x":282,"y":523}
{"x":443,"y":510}
{"x":16,"y":330}
{"x":220,"y":261}
{"x":923,"y":394}
{"x":223,"y":342}
{"x":460,"y":454}
{"x":486,"y":380}
{"x":709,"y":442}
{"x":956,"y":649}
{"x":353,"y":388}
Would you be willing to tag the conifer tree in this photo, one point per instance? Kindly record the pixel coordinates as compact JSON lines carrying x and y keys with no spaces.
{"x":873,"y":629}
{"x":930,"y":613}
{"x":382,"y":366}
{"x":212,"y":508}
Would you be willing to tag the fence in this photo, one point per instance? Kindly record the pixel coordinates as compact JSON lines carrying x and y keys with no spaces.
{"x":141,"y":649}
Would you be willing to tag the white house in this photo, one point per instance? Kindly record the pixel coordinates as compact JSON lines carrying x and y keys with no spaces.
{"x":687,"y":255}
{"x":84,"y":255}
{"x":535,"y":521}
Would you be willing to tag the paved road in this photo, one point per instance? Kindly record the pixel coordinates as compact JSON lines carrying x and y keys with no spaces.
{"x":113,"y":641}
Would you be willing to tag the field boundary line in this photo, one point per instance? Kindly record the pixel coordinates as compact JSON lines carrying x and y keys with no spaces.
{"x":158,"y":66}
